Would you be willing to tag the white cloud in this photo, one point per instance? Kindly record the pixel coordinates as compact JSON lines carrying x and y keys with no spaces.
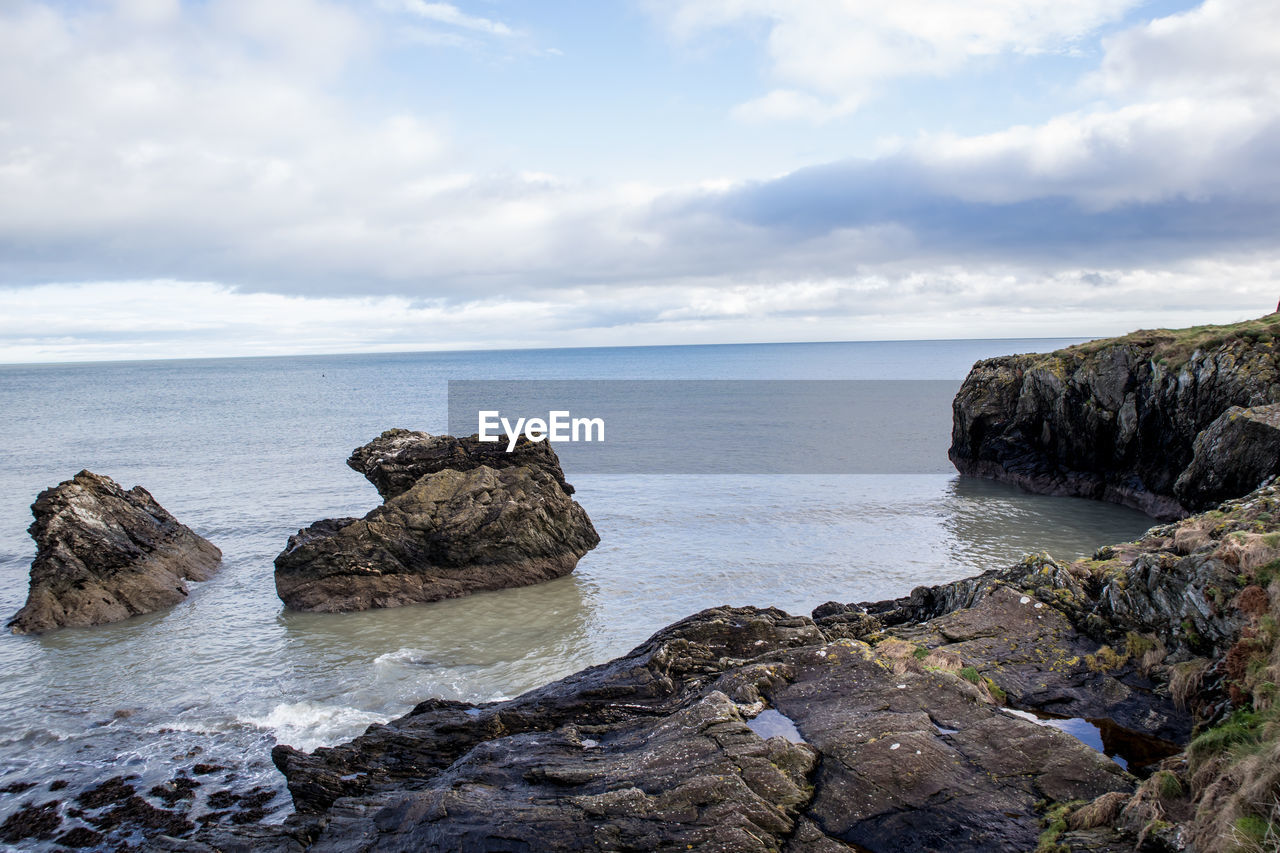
{"x":838,"y":51}
{"x":160,"y":146}
{"x":1221,"y":48}
{"x":447,"y":13}
{"x":787,"y":104}
{"x":167,"y":319}
{"x":1193,"y":115}
{"x":1138,"y":154}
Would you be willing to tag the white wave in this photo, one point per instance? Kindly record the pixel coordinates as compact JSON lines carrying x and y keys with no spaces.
{"x":308,"y":725}
{"x":403,"y":657}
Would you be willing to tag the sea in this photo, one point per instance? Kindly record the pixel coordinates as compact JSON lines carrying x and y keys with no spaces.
{"x":248,"y":450}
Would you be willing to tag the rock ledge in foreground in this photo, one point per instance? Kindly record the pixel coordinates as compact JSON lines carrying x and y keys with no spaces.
{"x":104,"y":554}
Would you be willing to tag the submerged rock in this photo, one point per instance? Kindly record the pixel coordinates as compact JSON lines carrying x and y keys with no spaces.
{"x":452,"y":523}
{"x":1115,"y":419}
{"x":104,"y":554}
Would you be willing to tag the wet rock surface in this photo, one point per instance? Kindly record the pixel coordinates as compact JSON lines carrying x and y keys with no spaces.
{"x":459,"y":516}
{"x":104,"y":554}
{"x":116,"y":814}
{"x":1114,"y":420}
{"x":654,"y":751}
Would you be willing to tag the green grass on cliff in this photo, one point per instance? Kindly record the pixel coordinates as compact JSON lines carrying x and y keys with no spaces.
{"x":1174,"y":347}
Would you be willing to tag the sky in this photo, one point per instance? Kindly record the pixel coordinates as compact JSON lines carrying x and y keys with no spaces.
{"x":237,"y":177}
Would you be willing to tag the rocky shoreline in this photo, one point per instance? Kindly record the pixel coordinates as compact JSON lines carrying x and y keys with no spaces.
{"x":900,"y":733}
{"x":951,"y":718}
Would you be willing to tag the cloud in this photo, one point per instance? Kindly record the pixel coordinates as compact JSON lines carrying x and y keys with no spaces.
{"x":1220,"y":48}
{"x":165,"y":319}
{"x":831,"y":55}
{"x":205,"y":157}
{"x":786,"y":104}
{"x":1183,"y":160}
{"x":447,"y":13}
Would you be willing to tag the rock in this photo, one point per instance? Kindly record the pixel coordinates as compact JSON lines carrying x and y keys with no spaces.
{"x":451,"y":532}
{"x":656,"y":750}
{"x":845,"y":620}
{"x":31,"y":822}
{"x":104,"y":554}
{"x":1114,"y":419}
{"x":1231,"y":457}
{"x":398,"y":458}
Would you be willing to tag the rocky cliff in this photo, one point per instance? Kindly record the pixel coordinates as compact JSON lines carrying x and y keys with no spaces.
{"x":1119,"y":419}
{"x":458,"y":516}
{"x":104,"y":554}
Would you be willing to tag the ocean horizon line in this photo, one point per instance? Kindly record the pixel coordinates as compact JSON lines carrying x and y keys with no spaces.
{"x":482,"y":350}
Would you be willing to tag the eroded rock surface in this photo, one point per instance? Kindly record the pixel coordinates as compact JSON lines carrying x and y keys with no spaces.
{"x":655,"y":751}
{"x":451,"y":524}
{"x":104,"y":554}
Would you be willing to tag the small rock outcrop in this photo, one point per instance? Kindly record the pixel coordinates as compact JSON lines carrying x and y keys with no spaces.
{"x":1231,"y":457}
{"x":104,"y":554}
{"x":1118,"y":419}
{"x":459,"y":516}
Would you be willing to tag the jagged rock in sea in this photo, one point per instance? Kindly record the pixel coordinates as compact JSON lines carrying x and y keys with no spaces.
{"x":1114,"y":419}
{"x":1233,"y":455}
{"x":458,"y":517}
{"x":104,"y":554}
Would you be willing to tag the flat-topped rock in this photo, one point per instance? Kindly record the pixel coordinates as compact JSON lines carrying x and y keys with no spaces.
{"x":104,"y":554}
{"x":449,"y":532}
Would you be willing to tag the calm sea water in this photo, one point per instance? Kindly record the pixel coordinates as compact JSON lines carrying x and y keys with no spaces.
{"x":246,"y":451}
